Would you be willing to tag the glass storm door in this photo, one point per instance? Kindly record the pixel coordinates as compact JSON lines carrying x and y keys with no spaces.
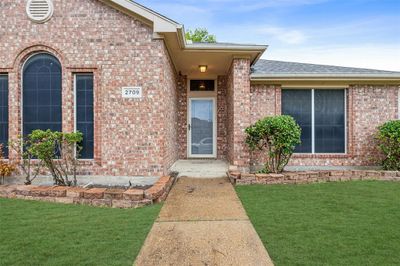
{"x":201,"y":127}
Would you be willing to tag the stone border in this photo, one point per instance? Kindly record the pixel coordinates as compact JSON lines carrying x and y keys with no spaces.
{"x":306,"y":177}
{"x":99,"y":197}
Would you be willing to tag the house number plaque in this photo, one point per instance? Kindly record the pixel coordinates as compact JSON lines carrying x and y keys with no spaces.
{"x":132,"y":92}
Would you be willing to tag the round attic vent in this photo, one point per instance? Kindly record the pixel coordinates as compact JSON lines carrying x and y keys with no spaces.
{"x":39,"y":11}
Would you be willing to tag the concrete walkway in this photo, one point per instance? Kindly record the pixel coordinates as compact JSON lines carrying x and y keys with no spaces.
{"x":203,"y":223}
{"x":200,"y":168}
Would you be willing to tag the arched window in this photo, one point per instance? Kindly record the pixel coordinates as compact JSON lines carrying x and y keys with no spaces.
{"x":41,"y":93}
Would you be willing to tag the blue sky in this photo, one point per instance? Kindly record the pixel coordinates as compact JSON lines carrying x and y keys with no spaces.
{"x":360,"y":33}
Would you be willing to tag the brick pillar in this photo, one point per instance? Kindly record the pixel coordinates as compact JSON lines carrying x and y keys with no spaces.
{"x":221,"y":118}
{"x":182,"y":116}
{"x":239,"y":112}
{"x":14,"y":112}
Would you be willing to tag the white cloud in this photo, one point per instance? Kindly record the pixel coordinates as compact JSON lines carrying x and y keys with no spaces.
{"x":370,"y":41}
{"x":365,"y":43}
{"x":226,"y":5}
{"x":375,"y":56}
{"x":183,"y":13}
{"x":284,"y":35}
{"x":257,"y":5}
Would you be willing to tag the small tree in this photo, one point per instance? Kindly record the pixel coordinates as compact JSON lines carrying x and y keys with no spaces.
{"x":200,"y":35}
{"x":30,"y":170}
{"x":389,"y":142}
{"x":6,"y":169}
{"x":277,"y":136}
{"x":70,"y":153}
{"x":58,"y":152}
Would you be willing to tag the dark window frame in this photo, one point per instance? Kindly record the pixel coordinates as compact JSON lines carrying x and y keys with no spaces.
{"x":313,"y":132}
{"x":4,"y":121}
{"x":329,"y":121}
{"x":91,"y":153}
{"x":303,"y":115}
{"x":210,"y":85}
{"x":49,"y":100}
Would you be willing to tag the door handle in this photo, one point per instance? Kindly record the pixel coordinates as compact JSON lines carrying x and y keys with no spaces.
{"x":189,"y":127}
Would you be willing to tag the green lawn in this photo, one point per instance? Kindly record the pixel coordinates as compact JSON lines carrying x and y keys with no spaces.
{"x":39,"y":233}
{"x":343,"y":223}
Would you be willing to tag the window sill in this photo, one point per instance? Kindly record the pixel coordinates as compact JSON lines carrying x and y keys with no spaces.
{"x":87,"y":162}
{"x":84,"y":161}
{"x":321,"y":155}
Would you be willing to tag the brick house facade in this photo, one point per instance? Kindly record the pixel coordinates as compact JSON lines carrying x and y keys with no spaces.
{"x":122,"y":44}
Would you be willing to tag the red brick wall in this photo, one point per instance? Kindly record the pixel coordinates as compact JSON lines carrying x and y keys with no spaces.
{"x":170,"y":116}
{"x":372,"y":106}
{"x":368,"y":106}
{"x":230,"y":117}
{"x":132,"y":137}
{"x":222,"y":143}
{"x":238,"y":112}
{"x":264,"y":102}
{"x":182,"y":116}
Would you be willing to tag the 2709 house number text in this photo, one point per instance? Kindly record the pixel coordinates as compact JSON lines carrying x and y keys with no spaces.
{"x":132,"y":92}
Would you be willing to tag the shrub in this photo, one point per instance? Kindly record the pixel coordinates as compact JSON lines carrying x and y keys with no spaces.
{"x":389,"y":143}
{"x":30,"y":170}
{"x":58,"y":152}
{"x":277,"y":136}
{"x":6,"y":169}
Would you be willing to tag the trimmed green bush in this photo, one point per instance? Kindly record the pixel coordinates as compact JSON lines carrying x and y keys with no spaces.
{"x":389,"y":143}
{"x":58,"y":152}
{"x":278,"y":137}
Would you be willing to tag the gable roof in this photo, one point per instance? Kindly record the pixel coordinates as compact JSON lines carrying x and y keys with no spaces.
{"x":163,"y":24}
{"x":273,"y":69}
{"x":159,"y":22}
{"x":174,"y":35}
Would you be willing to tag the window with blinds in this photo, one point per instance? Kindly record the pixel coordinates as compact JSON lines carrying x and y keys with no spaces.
{"x":321,"y":114}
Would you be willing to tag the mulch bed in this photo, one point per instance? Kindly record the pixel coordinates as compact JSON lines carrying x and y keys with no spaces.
{"x":95,"y":196}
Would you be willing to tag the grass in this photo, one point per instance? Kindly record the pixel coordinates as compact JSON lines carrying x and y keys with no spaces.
{"x":40,"y":233}
{"x":343,"y":223}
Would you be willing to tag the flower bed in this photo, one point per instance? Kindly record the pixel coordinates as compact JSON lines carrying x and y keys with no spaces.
{"x":101,"y":197}
{"x":306,"y":177}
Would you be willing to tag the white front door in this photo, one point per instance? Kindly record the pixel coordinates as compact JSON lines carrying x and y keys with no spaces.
{"x":202,"y":128}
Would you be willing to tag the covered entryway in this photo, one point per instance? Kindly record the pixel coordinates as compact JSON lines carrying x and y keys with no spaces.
{"x":213,"y":102}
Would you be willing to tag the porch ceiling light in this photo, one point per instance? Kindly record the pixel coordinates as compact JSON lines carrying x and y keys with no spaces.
{"x":203,"y":68}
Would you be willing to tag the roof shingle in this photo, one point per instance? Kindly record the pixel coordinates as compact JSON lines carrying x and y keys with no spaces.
{"x":273,"y":67}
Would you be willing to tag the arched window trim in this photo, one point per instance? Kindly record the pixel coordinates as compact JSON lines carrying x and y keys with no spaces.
{"x":25,"y":60}
{"x":28,"y":57}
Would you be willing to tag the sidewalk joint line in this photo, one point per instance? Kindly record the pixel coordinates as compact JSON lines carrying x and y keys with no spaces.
{"x":205,"y":220}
